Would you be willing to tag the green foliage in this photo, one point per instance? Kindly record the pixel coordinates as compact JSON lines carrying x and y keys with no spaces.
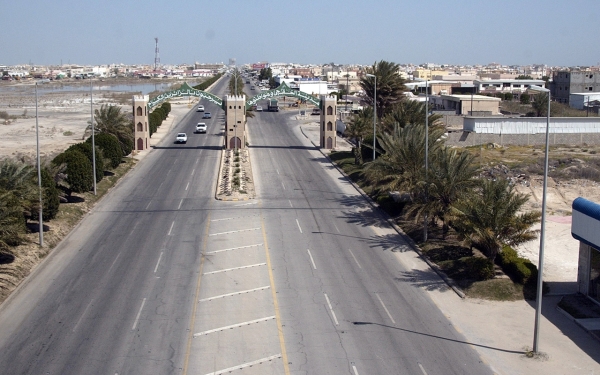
{"x":86,"y":149}
{"x":492,"y":218}
{"x":78,"y":171}
{"x":522,"y":76}
{"x":508,"y":96}
{"x":390,"y":86}
{"x":206,"y":84}
{"x":479,"y":268}
{"x":154,"y":119}
{"x":407,"y":112}
{"x":50,"y":197}
{"x":111,"y":149}
{"x":359,"y":127}
{"x":540,"y":105}
{"x":519,"y":269}
{"x":265,"y":73}
{"x":525,"y":98}
{"x":236,"y":83}
{"x":12,"y":221}
{"x":109,"y":119}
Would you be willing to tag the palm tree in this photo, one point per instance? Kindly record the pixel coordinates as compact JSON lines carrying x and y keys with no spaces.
{"x":401,"y":166}
{"x":235,"y":76}
{"x":407,"y":112}
{"x":358,"y":128}
{"x":109,"y":119}
{"x":451,"y":179}
{"x":390,"y":86}
{"x":20,"y":180}
{"x":492,"y":218}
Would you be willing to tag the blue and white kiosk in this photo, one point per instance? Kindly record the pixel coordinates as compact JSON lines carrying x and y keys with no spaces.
{"x":585,"y":228}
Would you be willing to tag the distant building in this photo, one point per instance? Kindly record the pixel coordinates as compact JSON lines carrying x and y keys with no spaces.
{"x":514,"y":86}
{"x":465,"y":104}
{"x":566,"y":82}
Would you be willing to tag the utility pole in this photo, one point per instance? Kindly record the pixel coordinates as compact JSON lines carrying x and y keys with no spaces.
{"x":39,"y":170}
{"x":156,"y":56}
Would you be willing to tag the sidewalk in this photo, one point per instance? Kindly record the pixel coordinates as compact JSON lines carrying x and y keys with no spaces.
{"x":502,"y":332}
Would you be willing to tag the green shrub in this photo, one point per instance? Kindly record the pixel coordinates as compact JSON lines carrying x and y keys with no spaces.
{"x":50,"y":198}
{"x":479,"y":268}
{"x":79,"y":170}
{"x":86,"y":149}
{"x":519,"y":269}
{"x":111,"y":149}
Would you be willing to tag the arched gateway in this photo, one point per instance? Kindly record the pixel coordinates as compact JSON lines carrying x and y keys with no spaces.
{"x":235,"y":113}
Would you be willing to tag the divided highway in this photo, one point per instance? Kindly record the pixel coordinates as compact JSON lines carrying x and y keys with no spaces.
{"x":162,"y":279}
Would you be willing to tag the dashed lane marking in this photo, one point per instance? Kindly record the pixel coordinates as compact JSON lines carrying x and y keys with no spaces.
{"x":137,"y":318}
{"x":234,"y":294}
{"x":311,"y":259}
{"x":331,"y":309}
{"x":233,"y":248}
{"x":300,"y":228}
{"x":244,"y":365}
{"x":385,"y":308}
{"x":233,"y":231}
{"x":236,"y":268}
{"x":234,"y":326}
{"x":356,"y":260}
{"x":157,"y":263}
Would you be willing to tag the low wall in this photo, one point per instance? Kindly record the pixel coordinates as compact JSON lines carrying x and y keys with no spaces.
{"x":465,"y":139}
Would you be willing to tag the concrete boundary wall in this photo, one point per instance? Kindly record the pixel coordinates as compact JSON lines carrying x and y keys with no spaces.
{"x":465,"y":139}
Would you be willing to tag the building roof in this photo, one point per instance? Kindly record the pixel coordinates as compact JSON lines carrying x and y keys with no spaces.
{"x":471,"y":97}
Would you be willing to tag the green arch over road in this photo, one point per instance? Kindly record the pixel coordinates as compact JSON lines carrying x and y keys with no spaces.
{"x":282,"y":90}
{"x":185,"y":90}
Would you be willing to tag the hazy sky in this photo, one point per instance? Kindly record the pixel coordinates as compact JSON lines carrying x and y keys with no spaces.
{"x":519,"y":32}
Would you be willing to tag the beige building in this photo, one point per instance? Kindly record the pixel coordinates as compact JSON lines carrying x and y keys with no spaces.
{"x":328,"y":121}
{"x":141,"y":132}
{"x":235,"y":121}
{"x":465,"y":104}
{"x":428,"y":74}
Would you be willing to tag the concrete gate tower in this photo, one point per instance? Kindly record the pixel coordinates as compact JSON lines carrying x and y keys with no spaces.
{"x":235,"y":121}
{"x":328,"y":117}
{"x":141,"y":132}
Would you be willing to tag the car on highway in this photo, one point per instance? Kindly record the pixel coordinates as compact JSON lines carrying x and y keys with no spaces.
{"x":251,"y":87}
{"x":258,"y":108}
{"x":181,"y":138}
{"x":201,"y":127}
{"x":200,"y":108}
{"x":206,"y":115}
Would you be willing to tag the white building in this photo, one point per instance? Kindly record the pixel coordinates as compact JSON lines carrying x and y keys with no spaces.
{"x":506,"y":85}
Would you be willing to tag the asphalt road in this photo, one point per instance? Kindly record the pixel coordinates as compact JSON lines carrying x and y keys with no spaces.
{"x":162,"y":279}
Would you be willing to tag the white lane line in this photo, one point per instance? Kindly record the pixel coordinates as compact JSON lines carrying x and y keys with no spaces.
{"x":277,"y":171}
{"x":148,"y":205}
{"x":234,"y":294}
{"x":169,"y":171}
{"x":233,"y":218}
{"x":180,"y":203}
{"x":297,"y":222}
{"x":282,"y":184}
{"x":290,"y":203}
{"x":235,"y":326}
{"x":355,"y":370}
{"x":331,"y":309}
{"x":170,"y":229}
{"x":82,"y":315}
{"x":235,"y":268}
{"x":244,"y":365}
{"x":311,"y":259}
{"x":336,"y":228}
{"x":134,"y":226}
{"x":233,"y":231}
{"x":187,"y":186}
{"x":159,"y":186}
{"x":233,"y":248}
{"x":194,"y":170}
{"x":113,"y":263}
{"x":137,"y":318}
{"x":356,"y":260}
{"x":157,"y":263}
{"x":422,"y":369}
{"x":245,"y":204}
{"x":385,"y":308}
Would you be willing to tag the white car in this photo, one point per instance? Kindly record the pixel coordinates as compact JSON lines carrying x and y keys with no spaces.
{"x":181,"y":138}
{"x":201,"y":127}
{"x":258,"y":108}
{"x":200,"y":108}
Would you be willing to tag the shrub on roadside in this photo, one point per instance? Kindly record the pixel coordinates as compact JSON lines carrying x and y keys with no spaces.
{"x":50,"y":198}
{"x":519,"y":269}
{"x":78,"y":171}
{"x":86,"y":149}
{"x":111,"y":149}
{"x":479,"y":268}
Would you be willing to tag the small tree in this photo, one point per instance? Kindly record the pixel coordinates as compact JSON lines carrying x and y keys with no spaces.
{"x":525,"y":98}
{"x":78,"y":171}
{"x":111,"y":150}
{"x":50,"y":197}
{"x":86,"y":149}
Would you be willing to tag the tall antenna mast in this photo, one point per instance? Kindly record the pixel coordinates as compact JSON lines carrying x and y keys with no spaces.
{"x":156,"y":58}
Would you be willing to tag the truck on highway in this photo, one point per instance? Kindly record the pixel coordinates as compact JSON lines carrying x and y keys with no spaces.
{"x":273,"y":105}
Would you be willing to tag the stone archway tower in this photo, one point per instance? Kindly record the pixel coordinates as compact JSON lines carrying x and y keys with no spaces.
{"x":235,"y":121}
{"x":328,"y":118}
{"x":141,"y":130}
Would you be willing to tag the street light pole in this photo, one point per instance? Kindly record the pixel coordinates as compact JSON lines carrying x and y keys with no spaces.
{"x":426,"y":156}
{"x":374,"y":113}
{"x":93,"y":140}
{"x":538,"y":299}
{"x":39,"y":171}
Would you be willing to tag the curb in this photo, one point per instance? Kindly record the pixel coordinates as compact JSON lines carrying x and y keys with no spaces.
{"x":451,"y":284}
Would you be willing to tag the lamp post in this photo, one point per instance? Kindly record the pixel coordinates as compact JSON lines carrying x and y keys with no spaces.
{"x":374,"y":112}
{"x":426,"y":156}
{"x":538,"y":299}
{"x":39,"y":170}
{"x":93,"y":141}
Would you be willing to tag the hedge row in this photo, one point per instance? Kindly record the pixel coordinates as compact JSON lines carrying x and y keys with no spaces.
{"x":158,"y":116}
{"x":519,"y":269}
{"x":206,"y":84}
